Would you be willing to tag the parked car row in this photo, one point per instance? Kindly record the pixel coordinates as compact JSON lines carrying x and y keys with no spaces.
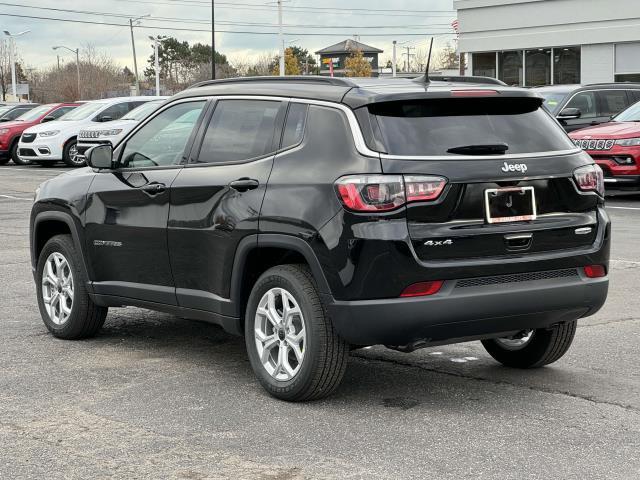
{"x":50,"y":133}
{"x":603,"y":119}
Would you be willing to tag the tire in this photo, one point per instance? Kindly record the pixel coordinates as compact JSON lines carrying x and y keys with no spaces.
{"x":70,"y":153}
{"x":545,"y":346}
{"x":324,"y":353}
{"x":84,"y":318}
{"x":13,"y":153}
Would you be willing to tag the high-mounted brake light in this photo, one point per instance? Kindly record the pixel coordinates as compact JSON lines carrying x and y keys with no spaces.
{"x":381,"y":193}
{"x":422,"y":289}
{"x":590,"y":179}
{"x":474,"y":93}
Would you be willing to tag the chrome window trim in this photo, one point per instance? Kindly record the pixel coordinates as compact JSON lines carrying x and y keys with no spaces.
{"x":510,"y":156}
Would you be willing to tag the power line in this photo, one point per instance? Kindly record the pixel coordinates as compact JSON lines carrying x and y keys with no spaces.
{"x":257,"y":7}
{"x":301,"y":34}
{"x":219,"y":22}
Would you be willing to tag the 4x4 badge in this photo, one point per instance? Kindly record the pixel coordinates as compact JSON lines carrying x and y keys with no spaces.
{"x":514,"y":167}
{"x":438,"y":243}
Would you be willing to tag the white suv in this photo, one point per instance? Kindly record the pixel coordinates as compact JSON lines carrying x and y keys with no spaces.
{"x":112,"y":132}
{"x":57,"y":141}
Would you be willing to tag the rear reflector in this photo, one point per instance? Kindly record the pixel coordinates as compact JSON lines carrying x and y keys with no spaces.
{"x":422,"y":289}
{"x":595,"y":271}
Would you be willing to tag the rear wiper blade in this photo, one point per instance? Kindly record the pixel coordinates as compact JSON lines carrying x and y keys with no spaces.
{"x":488,"y":149}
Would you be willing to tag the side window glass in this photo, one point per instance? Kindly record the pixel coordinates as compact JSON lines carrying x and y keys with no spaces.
{"x":59,"y":112}
{"x":162,"y":141}
{"x":294,"y":128}
{"x":586,"y":102}
{"x":133,"y":105}
{"x":612,"y":102}
{"x":635,"y":96}
{"x":114,"y":112}
{"x":239,"y":130}
{"x":15,"y":113}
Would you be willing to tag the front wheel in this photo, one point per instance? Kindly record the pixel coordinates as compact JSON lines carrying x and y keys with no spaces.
{"x":13,"y":153}
{"x":292,"y":345}
{"x":532,"y":348}
{"x":65,"y":306}
{"x":70,"y":155}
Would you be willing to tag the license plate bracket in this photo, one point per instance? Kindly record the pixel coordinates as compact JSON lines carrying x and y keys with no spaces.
{"x":510,"y":204}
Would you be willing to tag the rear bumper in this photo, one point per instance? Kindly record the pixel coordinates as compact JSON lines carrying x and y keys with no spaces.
{"x":459,"y":313}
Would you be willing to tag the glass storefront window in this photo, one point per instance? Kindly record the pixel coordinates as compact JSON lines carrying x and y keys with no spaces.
{"x":484,"y":64}
{"x":510,"y":67}
{"x":566,"y":65}
{"x":628,"y":77}
{"x":538,"y":67}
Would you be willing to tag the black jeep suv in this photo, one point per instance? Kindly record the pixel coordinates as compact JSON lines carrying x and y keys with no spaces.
{"x":313,"y":215}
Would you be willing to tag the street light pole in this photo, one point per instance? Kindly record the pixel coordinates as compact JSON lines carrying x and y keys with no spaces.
{"x":394,"y":59}
{"x":77,"y":52}
{"x":156,"y":64}
{"x":12,"y":59}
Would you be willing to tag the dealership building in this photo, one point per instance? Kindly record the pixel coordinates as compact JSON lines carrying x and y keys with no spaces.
{"x":545,"y":42}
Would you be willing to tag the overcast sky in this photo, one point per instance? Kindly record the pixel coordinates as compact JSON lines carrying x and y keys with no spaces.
{"x":405,"y":17}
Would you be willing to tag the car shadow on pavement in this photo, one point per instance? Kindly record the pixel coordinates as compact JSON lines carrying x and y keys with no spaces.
{"x":380,"y":380}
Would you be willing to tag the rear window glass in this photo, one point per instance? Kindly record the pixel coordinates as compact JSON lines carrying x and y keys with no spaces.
{"x":433,"y":126}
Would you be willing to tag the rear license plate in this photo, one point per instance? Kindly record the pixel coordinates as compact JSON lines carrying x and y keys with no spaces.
{"x":512,"y":204}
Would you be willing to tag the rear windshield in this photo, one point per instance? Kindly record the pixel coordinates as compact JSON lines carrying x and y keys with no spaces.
{"x":434,"y":126}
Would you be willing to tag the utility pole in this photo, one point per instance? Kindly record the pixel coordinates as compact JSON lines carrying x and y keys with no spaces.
{"x":281,"y":37}
{"x":58,"y":62}
{"x":409,"y":55}
{"x":394,"y":59}
{"x":213,"y":40}
{"x":135,"y":60}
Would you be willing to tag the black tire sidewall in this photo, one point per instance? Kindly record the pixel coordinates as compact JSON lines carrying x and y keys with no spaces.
{"x":13,"y":154}
{"x":75,"y":322}
{"x":66,"y":157}
{"x":281,"y":278}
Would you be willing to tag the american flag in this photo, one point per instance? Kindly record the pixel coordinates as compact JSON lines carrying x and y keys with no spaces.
{"x":456,"y":26}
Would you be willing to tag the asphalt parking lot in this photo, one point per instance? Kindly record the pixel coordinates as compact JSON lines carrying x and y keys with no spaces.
{"x":154,"y":396}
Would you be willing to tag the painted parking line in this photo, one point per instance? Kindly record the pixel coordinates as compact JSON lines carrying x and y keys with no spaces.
{"x":623,"y":208}
{"x":11,"y":197}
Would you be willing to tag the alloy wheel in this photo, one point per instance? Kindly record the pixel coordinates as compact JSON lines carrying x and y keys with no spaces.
{"x":57,"y":288}
{"x":280,"y":334}
{"x":517,"y":341}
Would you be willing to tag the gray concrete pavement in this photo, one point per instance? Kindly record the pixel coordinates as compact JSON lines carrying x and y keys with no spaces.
{"x":154,"y":396}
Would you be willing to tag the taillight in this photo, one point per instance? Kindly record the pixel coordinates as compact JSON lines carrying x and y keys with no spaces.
{"x":589,"y":179}
{"x":595,"y":271}
{"x":423,"y":189}
{"x":422,"y":289}
{"x":381,"y":193}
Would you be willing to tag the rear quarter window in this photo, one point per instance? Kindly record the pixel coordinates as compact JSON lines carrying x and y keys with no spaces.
{"x":430,"y":127}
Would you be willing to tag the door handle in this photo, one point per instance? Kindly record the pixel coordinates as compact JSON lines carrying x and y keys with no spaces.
{"x":595,"y":123}
{"x":154,"y":188}
{"x":244,"y":184}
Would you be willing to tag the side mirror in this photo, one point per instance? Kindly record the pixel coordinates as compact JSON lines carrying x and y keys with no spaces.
{"x":570,"y":114}
{"x":100,"y":156}
{"x":105,"y":118}
{"x":48,"y":118}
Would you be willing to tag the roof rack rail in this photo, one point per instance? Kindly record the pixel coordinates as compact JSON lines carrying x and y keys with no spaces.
{"x":339,"y":82}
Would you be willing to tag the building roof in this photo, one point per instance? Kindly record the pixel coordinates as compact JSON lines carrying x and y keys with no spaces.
{"x":349,"y":45}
